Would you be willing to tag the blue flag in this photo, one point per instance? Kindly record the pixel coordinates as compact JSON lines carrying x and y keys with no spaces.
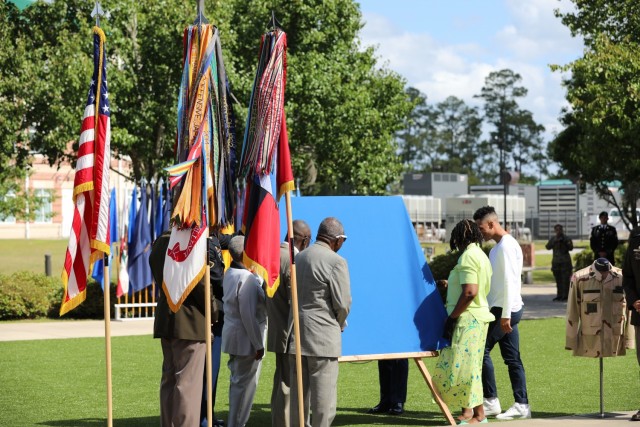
{"x":159,"y":212}
{"x":133,"y":210}
{"x":152,"y":211}
{"x":139,"y":248}
{"x":166,"y":209}
{"x":98,"y":272}
{"x":98,"y":267}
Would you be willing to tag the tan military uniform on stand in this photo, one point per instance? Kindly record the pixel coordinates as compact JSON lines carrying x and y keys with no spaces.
{"x":596,"y":314}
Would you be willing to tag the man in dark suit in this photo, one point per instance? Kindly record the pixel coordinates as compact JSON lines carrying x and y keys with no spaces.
{"x":182,"y":336}
{"x":324,"y":299}
{"x":393,"y":375}
{"x":278,"y":331}
{"x":604,"y":239}
{"x":631,"y":285}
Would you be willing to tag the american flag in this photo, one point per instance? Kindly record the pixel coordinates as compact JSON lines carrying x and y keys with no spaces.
{"x":89,"y":237}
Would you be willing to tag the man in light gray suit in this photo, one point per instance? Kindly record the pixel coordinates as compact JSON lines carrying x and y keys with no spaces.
{"x":324,"y":300}
{"x":242,"y":334}
{"x":278,"y":330}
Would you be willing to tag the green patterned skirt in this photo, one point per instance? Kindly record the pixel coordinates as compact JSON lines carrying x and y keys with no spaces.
{"x":458,"y":372}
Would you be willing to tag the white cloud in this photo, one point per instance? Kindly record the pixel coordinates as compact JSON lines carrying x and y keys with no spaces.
{"x":530,"y":40}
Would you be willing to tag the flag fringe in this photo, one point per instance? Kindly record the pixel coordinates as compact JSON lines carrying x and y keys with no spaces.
{"x":101,"y":247}
{"x":72,"y":303}
{"x":175,"y":307}
{"x":286,"y":186}
{"x":262,"y":272}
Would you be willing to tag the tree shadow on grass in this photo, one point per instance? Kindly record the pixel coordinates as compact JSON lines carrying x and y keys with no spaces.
{"x":94,"y":422}
{"x":261,"y":416}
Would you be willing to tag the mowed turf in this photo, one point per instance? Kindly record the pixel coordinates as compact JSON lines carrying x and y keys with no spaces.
{"x":62,"y":383}
{"x":29,"y":255}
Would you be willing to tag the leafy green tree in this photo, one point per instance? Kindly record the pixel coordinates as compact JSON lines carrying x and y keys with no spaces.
{"x":14,"y":125}
{"x":144,"y":71}
{"x":458,"y":131}
{"x":618,"y":20}
{"x":602,"y":129}
{"x":415,"y":140}
{"x":343,"y":110}
{"x":515,"y":135}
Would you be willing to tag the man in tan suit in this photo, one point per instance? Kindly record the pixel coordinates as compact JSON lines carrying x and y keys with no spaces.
{"x":182,"y":336}
{"x":324,"y":300}
{"x":278,"y":330}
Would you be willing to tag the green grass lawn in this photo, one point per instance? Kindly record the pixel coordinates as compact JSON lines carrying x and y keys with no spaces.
{"x":62,"y":383}
{"x":28,"y":255}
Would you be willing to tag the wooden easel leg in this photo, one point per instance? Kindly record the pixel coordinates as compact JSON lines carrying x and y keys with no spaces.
{"x":436,"y":396}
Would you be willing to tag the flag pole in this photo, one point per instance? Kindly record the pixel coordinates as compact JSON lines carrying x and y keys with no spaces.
{"x":107,"y":337}
{"x":294,"y":308}
{"x":207,"y":321}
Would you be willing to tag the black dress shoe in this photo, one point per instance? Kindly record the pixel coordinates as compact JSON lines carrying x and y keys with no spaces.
{"x":218,"y":423}
{"x":379,"y":409}
{"x":636,"y":416}
{"x":396,"y":409}
{"x":557,"y":299}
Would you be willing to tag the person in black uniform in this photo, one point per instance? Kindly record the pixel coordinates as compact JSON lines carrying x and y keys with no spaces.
{"x":393,"y":375}
{"x":561,"y":265}
{"x":604,"y":239}
{"x":631,"y":285}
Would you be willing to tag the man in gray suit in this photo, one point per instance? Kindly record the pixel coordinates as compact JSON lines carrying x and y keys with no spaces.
{"x":182,"y":336}
{"x":245,"y":320}
{"x":324,"y":300}
{"x":278,"y":330}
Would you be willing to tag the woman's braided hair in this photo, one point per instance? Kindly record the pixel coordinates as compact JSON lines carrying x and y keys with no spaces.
{"x":463,"y":234}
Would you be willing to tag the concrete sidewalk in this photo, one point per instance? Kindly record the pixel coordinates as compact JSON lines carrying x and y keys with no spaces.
{"x":21,"y":331}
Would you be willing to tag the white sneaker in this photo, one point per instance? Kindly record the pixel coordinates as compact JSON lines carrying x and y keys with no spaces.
{"x":491,"y":406}
{"x":518,"y":410}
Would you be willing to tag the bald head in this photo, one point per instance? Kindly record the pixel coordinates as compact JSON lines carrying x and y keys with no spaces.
{"x":330,"y":227}
{"x":301,"y":234}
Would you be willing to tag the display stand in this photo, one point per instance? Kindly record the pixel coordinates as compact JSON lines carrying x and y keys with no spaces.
{"x":417,"y":357}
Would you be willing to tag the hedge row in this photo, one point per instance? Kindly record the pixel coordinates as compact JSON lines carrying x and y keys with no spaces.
{"x":27,"y":295}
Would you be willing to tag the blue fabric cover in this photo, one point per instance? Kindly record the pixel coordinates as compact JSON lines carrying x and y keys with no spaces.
{"x":396,"y":307}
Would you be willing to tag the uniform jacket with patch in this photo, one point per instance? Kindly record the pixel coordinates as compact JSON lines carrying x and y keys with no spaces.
{"x":596,"y":314}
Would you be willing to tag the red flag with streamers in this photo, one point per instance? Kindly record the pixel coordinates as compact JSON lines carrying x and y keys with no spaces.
{"x":266,"y":161}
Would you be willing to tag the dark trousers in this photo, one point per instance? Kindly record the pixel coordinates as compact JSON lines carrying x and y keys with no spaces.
{"x":393,"y":375}
{"x":510,"y":350}
{"x":216,"y":355}
{"x":562,"y":275}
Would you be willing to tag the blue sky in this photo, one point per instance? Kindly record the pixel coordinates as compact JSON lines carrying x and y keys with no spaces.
{"x":448,"y":47}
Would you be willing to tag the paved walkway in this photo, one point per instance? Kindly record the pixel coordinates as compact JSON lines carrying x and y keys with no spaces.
{"x":537,"y":300}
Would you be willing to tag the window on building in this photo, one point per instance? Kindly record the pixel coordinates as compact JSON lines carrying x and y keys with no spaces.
{"x":43,"y":213}
{"x":10,"y":219}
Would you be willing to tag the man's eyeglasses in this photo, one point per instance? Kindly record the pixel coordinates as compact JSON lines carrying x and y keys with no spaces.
{"x":344,"y":237}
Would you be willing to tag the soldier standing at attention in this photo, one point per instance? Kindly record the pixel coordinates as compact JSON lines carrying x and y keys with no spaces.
{"x":561,"y":265}
{"x":604,"y":239}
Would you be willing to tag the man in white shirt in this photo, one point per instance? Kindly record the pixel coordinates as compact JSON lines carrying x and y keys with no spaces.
{"x":506,"y":305}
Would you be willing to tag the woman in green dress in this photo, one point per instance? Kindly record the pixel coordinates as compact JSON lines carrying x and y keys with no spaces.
{"x":458,"y":372}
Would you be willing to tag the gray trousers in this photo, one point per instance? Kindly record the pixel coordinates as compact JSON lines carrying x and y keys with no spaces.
{"x":319,"y":387}
{"x":280,"y":392}
{"x":243,"y":382}
{"x":638,"y":343}
{"x":181,"y":382}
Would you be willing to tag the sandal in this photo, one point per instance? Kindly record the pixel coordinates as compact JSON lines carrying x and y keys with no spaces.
{"x":636,"y":416}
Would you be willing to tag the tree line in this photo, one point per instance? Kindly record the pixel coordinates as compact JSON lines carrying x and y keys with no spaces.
{"x":450,"y":136}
